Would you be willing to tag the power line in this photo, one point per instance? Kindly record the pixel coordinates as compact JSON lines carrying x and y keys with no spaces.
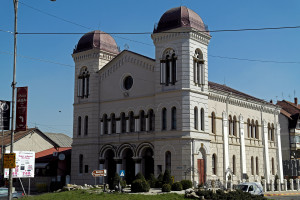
{"x":6,"y":31}
{"x":147,"y":33}
{"x":38,"y":59}
{"x":255,"y":60}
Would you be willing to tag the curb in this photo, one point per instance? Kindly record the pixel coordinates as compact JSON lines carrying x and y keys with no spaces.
{"x":282,"y":194}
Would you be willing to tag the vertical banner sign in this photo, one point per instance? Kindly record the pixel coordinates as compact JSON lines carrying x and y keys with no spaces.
{"x":21,"y":114}
{"x":4,"y":115}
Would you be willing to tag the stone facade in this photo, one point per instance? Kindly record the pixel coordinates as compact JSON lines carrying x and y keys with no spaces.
{"x":172,"y":126}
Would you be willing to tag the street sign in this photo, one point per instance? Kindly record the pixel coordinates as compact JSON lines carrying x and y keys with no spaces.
{"x":4,"y":115}
{"x":122,"y":173}
{"x":97,"y":173}
{"x":9,"y":160}
{"x":21,"y":109}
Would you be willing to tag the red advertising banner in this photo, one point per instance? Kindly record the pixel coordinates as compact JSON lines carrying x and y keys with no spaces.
{"x":21,"y":110}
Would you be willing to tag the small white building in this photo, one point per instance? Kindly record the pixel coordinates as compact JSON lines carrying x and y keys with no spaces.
{"x":140,"y":114}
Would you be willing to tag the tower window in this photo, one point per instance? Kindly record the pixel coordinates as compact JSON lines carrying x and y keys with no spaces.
{"x":164,"y":119}
{"x":123,"y":123}
{"x":168,"y":68}
{"x":83,"y":83}
{"x":196,"y":118}
{"x":151,"y":120}
{"x":199,"y":70}
{"x":86,"y":125}
{"x":174,"y":123}
{"x":79,"y":126}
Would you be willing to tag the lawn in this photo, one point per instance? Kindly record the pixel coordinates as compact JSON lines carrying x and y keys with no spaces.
{"x":81,"y":194}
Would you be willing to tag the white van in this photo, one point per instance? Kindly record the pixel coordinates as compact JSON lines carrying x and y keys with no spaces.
{"x":254,"y":188}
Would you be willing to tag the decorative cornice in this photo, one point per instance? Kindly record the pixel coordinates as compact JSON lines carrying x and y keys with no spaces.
{"x":119,"y":62}
{"x":241,"y":102}
{"x":92,"y":54}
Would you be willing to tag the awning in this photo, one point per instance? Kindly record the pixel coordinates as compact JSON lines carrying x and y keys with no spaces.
{"x":41,"y":165}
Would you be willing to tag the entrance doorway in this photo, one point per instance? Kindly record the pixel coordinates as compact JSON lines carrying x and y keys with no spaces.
{"x":129,"y":166}
{"x":110,"y":165}
{"x":201,"y":170}
{"x":147,"y":162}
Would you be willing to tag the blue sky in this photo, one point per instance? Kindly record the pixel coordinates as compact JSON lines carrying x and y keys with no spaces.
{"x":51,"y":85}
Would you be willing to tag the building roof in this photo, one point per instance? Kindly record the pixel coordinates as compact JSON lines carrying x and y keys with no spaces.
{"x":289,"y":107}
{"x":49,"y":152}
{"x":96,"y":40}
{"x":224,"y":88}
{"x":57,"y":139}
{"x":180,"y":17}
{"x":60,"y":139}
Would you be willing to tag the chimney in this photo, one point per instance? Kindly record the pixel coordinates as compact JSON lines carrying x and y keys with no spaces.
{"x":296,"y":101}
{"x":271,"y":101}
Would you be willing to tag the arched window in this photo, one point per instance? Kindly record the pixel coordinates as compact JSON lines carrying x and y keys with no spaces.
{"x":202,"y":119}
{"x":257,"y":169}
{"x":131,"y":122}
{"x":230,"y":123}
{"x":105,"y":124}
{"x":123,"y":123}
{"x":113,"y":123}
{"x":213,"y":122}
{"x":199,"y":71}
{"x":269,"y":131}
{"x":86,"y":125}
{"x":233,"y":164}
{"x":142,"y":121}
{"x":79,"y":126}
{"x":234,"y":127}
{"x":256,"y":130}
{"x":272,"y":132}
{"x":80,"y":163}
{"x":252,"y":165}
{"x":196,"y":118}
{"x":168,"y":68}
{"x":164,"y":119}
{"x":83,"y":83}
{"x":213,"y":164}
{"x":168,"y":160}
{"x":174,"y":119}
{"x":273,"y":167}
{"x":151,"y":120}
{"x":253,"y":129}
{"x":249,"y":128}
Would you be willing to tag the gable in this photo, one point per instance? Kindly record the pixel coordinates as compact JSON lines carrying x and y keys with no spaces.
{"x":112,"y":77}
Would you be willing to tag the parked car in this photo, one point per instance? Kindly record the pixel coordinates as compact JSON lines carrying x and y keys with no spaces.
{"x":15,"y":194}
{"x":254,"y":188}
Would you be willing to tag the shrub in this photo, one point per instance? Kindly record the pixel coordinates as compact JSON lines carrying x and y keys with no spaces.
{"x":166,"y":188}
{"x":123,"y":183}
{"x":114,"y":181}
{"x":140,"y":185}
{"x":139,"y":176}
{"x":176,"y":186}
{"x":167,"y":179}
{"x":159,"y":181}
{"x":152,"y":180}
{"x":186,"y":184}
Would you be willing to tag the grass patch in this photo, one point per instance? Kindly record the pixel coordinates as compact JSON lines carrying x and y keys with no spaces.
{"x":81,"y":194}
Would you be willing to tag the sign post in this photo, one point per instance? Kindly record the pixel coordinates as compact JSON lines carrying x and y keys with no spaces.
{"x":98,"y":173}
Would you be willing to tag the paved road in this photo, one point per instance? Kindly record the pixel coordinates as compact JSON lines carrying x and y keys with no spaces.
{"x":285,"y":197}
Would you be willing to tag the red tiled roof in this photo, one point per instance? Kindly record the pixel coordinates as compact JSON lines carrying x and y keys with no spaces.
{"x":289,"y":107}
{"x":288,"y":115}
{"x":50,"y":151}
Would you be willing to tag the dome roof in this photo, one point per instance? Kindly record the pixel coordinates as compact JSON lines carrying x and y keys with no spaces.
{"x":180,"y":17}
{"x":96,"y":40}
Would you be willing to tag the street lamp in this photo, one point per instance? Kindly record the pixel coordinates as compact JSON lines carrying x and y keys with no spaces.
{"x":13,"y":85}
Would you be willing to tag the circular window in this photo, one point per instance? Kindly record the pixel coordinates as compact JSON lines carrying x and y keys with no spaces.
{"x":128,"y":82}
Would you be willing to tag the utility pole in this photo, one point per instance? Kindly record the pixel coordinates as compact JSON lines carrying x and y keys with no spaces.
{"x":13,"y":85}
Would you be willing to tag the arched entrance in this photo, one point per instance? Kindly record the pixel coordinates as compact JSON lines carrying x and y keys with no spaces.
{"x":147,"y":162}
{"x":201,"y":166}
{"x":128,"y":165}
{"x":110,"y":165}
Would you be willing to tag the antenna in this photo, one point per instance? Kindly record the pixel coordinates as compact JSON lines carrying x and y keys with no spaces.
{"x":294,"y":93}
{"x":224,"y":80}
{"x":289,"y":97}
{"x":282,"y":95}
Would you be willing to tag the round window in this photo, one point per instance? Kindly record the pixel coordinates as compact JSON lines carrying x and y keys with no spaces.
{"x":128,"y":82}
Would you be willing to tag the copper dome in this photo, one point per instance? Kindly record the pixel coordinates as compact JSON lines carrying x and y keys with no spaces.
{"x":180,"y":17}
{"x":96,"y":40}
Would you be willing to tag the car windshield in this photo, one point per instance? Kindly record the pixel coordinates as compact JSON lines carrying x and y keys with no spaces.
{"x":242,"y":187}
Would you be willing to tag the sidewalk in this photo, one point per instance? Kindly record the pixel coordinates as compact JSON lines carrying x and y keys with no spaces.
{"x":282,"y":193}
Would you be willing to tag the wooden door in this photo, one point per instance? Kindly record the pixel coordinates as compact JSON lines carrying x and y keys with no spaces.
{"x":201,"y":170}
